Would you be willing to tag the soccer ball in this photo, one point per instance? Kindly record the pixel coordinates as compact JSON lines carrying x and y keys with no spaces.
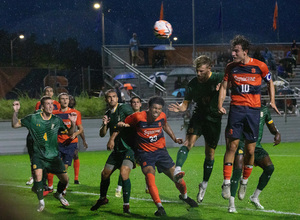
{"x":163,"y":29}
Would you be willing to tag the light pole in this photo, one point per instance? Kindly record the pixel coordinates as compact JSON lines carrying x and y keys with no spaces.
{"x":12,"y":48}
{"x":97,"y":6}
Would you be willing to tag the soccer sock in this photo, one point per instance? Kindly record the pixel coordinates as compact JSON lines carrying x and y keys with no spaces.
{"x":231,"y":201}
{"x":227,"y":171}
{"x":256,"y":193}
{"x":207,"y":169}
{"x":247,"y":171}
{"x":50,"y":179}
{"x":126,"y":190}
{"x":104,"y":187}
{"x":61,"y":186}
{"x":181,"y":156}
{"x":152,"y":188}
{"x":76,"y":166}
{"x":234,"y":183}
{"x":38,"y":186}
{"x":265,"y":177}
{"x":181,"y":186}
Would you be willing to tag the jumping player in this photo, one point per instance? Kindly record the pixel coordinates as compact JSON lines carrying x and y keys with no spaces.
{"x":262,"y":159}
{"x":244,"y":75}
{"x":204,"y":90}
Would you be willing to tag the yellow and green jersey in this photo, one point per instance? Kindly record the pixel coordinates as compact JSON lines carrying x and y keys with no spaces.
{"x":44,"y":134}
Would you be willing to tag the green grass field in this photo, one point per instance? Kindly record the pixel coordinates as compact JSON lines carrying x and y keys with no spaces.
{"x":280,"y":198}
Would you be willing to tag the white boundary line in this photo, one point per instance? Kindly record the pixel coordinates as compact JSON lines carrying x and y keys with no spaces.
{"x":165,"y":201}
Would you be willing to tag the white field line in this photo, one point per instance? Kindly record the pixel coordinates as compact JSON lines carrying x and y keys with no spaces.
{"x":272,"y":155}
{"x":164,"y":201}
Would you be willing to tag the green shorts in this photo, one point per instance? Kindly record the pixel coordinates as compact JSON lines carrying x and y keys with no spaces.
{"x":116,"y":158}
{"x":260,"y":154}
{"x":54,"y":165}
{"x":210,"y":130}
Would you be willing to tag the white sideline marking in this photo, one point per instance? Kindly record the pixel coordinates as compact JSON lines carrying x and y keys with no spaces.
{"x":165,"y":201}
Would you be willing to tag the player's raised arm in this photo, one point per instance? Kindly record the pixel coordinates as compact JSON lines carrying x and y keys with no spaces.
{"x":176,"y":107}
{"x":73,"y":118}
{"x":15,"y":123}
{"x":104,"y":127}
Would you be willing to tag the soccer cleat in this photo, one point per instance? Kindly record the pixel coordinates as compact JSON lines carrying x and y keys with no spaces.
{"x":41,"y":207}
{"x":160,"y":212}
{"x":99,"y":203}
{"x":189,"y":201}
{"x":76,"y":182}
{"x":255,"y":202}
{"x":126,"y":209}
{"x":226,"y":191}
{"x":46,"y":192}
{"x":232,"y":209}
{"x":118,"y":193}
{"x":242,"y":191}
{"x":201,"y":193}
{"x":178,"y":176}
{"x":62,"y":200}
{"x":30,"y":181}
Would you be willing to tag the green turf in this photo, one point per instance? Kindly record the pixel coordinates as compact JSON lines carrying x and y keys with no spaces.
{"x":281,"y":195}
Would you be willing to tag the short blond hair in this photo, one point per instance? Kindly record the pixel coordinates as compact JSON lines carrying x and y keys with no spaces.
{"x":202,"y":60}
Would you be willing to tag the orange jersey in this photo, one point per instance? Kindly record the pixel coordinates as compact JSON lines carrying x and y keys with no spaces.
{"x":150,"y":136}
{"x":56,"y":105}
{"x":245,"y":82}
{"x":64,"y":138}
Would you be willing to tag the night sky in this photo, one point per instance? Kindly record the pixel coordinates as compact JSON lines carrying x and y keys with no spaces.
{"x":61,"y":19}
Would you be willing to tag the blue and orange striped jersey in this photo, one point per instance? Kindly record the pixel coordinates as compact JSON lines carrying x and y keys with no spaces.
{"x":64,"y":138}
{"x":150,"y":136}
{"x":245,"y":82}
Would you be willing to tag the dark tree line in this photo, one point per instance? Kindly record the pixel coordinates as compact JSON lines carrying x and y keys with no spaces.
{"x":65,"y":54}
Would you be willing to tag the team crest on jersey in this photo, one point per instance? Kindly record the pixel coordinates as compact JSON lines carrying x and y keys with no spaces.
{"x":253,"y":70}
{"x":34,"y":166}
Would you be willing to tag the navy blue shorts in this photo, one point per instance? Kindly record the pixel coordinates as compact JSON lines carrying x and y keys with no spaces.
{"x":66,"y":153}
{"x":243,"y":120}
{"x":159,"y":158}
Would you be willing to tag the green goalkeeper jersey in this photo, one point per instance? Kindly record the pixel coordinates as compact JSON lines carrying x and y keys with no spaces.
{"x":44,"y":134}
{"x":205,"y":96}
{"x":125,"y":139}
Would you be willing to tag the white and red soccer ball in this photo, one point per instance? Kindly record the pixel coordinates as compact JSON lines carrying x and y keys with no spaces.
{"x":162,"y":29}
